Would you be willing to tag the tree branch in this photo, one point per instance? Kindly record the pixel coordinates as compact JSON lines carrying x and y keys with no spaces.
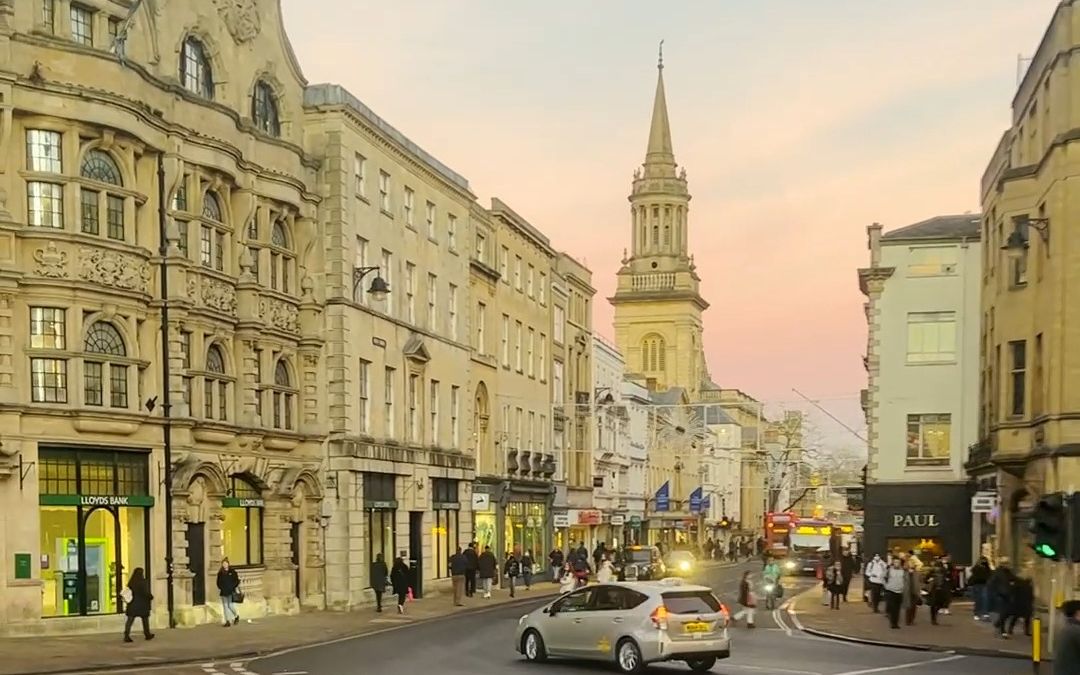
{"x":805,"y":492}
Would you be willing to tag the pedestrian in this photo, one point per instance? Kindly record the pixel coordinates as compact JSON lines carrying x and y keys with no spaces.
{"x":471,"y":565}
{"x":1000,"y":589}
{"x":487,"y":569}
{"x":1021,"y":606}
{"x":598,"y":554}
{"x":746,"y":600}
{"x":512,"y":569}
{"x":228,"y":583}
{"x":847,"y":571}
{"x":894,"y":584}
{"x":912,"y":590}
{"x":582,"y":552}
{"x":581,"y":570}
{"x":606,"y":571}
{"x":458,"y":566}
{"x":875,"y":574}
{"x":399,"y":580}
{"x":137,"y":596}
{"x":568,"y":580}
{"x":379,"y":576}
{"x":977,"y":579}
{"x":937,"y":590}
{"x":556,"y":559}
{"x":1067,"y":641}
{"x":527,"y":569}
{"x":834,"y":582}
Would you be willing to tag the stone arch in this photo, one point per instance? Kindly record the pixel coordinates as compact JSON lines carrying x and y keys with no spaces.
{"x":218,"y":67}
{"x":187,"y":471}
{"x":109,"y":147}
{"x":113,"y":320}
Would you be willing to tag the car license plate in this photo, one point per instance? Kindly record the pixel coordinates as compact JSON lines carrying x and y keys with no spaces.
{"x":697,"y":627}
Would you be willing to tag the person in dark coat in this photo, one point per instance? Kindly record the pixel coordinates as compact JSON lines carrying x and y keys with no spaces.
{"x":379,"y":576}
{"x":1067,"y":641}
{"x":399,"y":579}
{"x":977,"y":580}
{"x":938,"y":590}
{"x":1000,"y":590}
{"x":228,"y":582}
{"x":488,"y":569}
{"x":138,"y":605}
{"x":1021,"y":605}
{"x":557,"y":559}
{"x":848,"y":566}
{"x":472,"y":563}
{"x":458,"y":564}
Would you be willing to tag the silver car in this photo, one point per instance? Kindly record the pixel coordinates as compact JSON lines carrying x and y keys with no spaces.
{"x":631,"y":624}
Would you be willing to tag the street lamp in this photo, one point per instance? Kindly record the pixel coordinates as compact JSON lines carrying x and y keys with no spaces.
{"x":378,"y":289}
{"x":1016,"y":245}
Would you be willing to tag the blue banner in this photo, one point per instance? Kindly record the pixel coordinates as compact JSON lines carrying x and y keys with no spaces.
{"x":706,"y":503}
{"x":695,"y":500}
{"x":663,"y":498}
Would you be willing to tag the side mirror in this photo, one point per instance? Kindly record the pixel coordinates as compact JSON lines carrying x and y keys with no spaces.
{"x":552,"y":610}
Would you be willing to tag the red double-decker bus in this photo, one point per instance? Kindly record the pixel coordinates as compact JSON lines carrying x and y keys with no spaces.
{"x":778,"y":528}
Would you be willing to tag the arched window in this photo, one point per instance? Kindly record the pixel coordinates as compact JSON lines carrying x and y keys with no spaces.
{"x":284,"y":393}
{"x":653,"y":354}
{"x":242,"y":529}
{"x":215,"y":386}
{"x":103,"y":378}
{"x":195,"y":73}
{"x":100,"y":168}
{"x":212,"y":241}
{"x":264,"y":110}
{"x":281,"y":258}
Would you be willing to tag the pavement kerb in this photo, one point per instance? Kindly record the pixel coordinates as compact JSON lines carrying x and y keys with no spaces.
{"x":944,"y":649}
{"x":239,"y":656}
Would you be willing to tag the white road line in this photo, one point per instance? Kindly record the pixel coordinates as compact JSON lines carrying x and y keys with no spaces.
{"x":903,"y":666}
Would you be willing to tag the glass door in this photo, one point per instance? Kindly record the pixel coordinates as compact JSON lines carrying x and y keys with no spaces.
{"x":101,"y":573}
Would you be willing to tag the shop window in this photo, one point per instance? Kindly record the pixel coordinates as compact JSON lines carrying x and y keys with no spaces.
{"x":526,"y":524}
{"x":446,"y":535}
{"x":242,"y":529}
{"x":380,"y":501}
{"x":103,"y":378}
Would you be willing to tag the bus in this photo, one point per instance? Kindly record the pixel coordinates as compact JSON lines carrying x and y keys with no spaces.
{"x":778,"y":528}
{"x":811,"y":544}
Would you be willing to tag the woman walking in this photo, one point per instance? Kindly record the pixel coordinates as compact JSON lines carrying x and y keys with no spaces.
{"x":746,"y":600}
{"x":399,"y":579}
{"x":379,"y":575}
{"x":138,"y":597}
{"x":228,"y":583}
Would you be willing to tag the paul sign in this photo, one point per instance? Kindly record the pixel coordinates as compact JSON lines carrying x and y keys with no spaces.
{"x":915,"y":520}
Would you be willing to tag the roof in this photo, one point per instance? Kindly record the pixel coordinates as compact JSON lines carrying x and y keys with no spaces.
{"x":965,"y":226}
{"x":672,"y":396}
{"x":714,"y":414}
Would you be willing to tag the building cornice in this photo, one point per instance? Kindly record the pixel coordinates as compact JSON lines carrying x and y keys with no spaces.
{"x":870,"y":275}
{"x":646,"y":297}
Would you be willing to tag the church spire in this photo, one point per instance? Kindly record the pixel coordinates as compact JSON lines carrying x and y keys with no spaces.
{"x":660,"y":150}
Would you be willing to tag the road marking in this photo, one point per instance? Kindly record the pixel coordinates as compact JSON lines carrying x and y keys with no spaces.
{"x":903,"y":666}
{"x":737,"y":666}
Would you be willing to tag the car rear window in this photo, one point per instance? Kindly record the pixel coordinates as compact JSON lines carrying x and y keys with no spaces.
{"x":641,"y":556}
{"x":691,"y":602}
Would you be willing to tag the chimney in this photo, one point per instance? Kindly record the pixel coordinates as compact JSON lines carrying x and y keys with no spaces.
{"x":873,"y":234}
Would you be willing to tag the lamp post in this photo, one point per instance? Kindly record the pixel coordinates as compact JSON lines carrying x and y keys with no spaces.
{"x":166,"y":405}
{"x":1016,"y":245}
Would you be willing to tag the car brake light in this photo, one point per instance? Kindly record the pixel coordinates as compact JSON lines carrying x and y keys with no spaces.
{"x":659,"y":617}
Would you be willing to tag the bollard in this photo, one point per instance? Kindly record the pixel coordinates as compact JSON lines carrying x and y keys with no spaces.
{"x":1036,"y":644}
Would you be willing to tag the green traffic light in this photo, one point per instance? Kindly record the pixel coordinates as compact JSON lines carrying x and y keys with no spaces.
{"x":1046,"y":551}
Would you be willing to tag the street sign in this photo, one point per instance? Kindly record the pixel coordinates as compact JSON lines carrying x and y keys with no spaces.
{"x":618,"y":520}
{"x":983,"y":502}
{"x":561,"y":520}
{"x":481,"y":501}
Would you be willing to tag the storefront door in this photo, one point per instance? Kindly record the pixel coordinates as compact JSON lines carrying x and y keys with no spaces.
{"x":196,"y":553}
{"x":294,"y":539}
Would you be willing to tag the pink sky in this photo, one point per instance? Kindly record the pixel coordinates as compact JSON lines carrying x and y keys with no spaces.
{"x":798,"y":124}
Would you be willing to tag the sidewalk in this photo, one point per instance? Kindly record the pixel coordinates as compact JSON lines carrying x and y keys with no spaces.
{"x":203,"y":644}
{"x":856,"y":622}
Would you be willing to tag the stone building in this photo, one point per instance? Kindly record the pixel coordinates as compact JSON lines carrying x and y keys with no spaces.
{"x":118,"y":121}
{"x":396,"y":280}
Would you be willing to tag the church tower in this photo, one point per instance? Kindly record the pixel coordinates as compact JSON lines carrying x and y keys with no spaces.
{"x":658,"y":305}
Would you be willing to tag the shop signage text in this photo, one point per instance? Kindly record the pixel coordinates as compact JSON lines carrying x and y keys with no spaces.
{"x":379,"y":505}
{"x":561,"y":520}
{"x":446,"y":506}
{"x":589,"y":517}
{"x":96,"y":500}
{"x":236,"y":503}
{"x":618,"y":520}
{"x":915,"y":520}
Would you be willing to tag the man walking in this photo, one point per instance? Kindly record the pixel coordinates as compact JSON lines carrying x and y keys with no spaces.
{"x":895,"y":584}
{"x":471,"y":565}
{"x":458,"y":565}
{"x":1067,"y":641}
{"x":875,"y":575}
{"x":487,"y":568}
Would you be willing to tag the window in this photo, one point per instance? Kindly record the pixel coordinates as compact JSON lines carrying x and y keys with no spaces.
{"x":530,"y":288}
{"x":410,"y":197}
{"x":413,"y":420}
{"x":532,"y":431}
{"x":543,"y":358}
{"x":388,"y":402}
{"x":195,"y":73}
{"x":455,"y":416}
{"x":264,"y":109}
{"x":43,"y":151}
{"x":928,"y":439}
{"x":215,"y":385}
{"x":446,"y":503}
{"x":185,"y":365}
{"x":430,"y":216}
{"x":577,"y":601}
{"x":505,"y":345}
{"x":281,"y":258}
{"x":557,"y":394}
{"x":433,"y":411}
{"x":451,"y":232}
{"x":360,"y":174}
{"x":1018,"y":267}
{"x":931,"y":337}
{"x":180,"y":208}
{"x":481,"y":248}
{"x":504,"y":264}
{"x":45,"y":201}
{"x":82,"y":25}
{"x":211,"y":234}
{"x":1017,"y":377}
{"x":531,"y":354}
{"x":452,"y":305}
{"x":519,"y":417}
{"x":481,"y":319}
{"x":410,"y":292}
{"x":103,"y":378}
{"x":932,"y":261}
{"x":115,"y":24}
{"x":543,"y":433}
{"x":387,"y":271}
{"x":517,"y":273}
{"x":384,"y":191}
{"x":517,"y":345}
{"x":541,"y":292}
{"x":360,"y":293}
{"x":242,"y":527}
{"x":98,"y":166}
{"x":260,"y":389}
{"x":284,"y":395}
{"x":364,"y":393}
{"x":432,"y":300}
{"x":48,"y":376}
{"x":1037,"y":385}
{"x":560,"y":325}
{"x":48,"y":15}
{"x":654,"y":354}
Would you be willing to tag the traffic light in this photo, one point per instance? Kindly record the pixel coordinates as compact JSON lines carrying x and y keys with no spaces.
{"x":725,"y":523}
{"x":1049,"y":527}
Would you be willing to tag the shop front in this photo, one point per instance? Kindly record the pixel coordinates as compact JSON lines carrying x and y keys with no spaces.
{"x":931,"y":519}
{"x":380,"y":505}
{"x":632,"y":531}
{"x":514,"y":516}
{"x":584,"y":524}
{"x":94,"y":512}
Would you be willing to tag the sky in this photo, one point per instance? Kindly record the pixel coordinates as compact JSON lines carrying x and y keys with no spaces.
{"x":798,"y":123}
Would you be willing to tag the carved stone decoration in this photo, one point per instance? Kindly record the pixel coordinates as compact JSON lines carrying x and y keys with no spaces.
{"x":311,"y":360}
{"x":196,"y":501}
{"x":51,"y":262}
{"x":218,"y":295}
{"x":193,"y":288}
{"x":110,"y":268}
{"x":241,"y":17}
{"x":279,"y":314}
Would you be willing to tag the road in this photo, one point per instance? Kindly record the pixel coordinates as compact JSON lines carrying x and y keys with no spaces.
{"x":482,"y":643}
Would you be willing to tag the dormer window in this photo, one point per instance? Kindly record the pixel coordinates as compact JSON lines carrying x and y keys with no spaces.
{"x":195,"y":73}
{"x":264,"y":110}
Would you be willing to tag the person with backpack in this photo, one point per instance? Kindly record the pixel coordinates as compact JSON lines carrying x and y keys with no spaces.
{"x":512,"y":567}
